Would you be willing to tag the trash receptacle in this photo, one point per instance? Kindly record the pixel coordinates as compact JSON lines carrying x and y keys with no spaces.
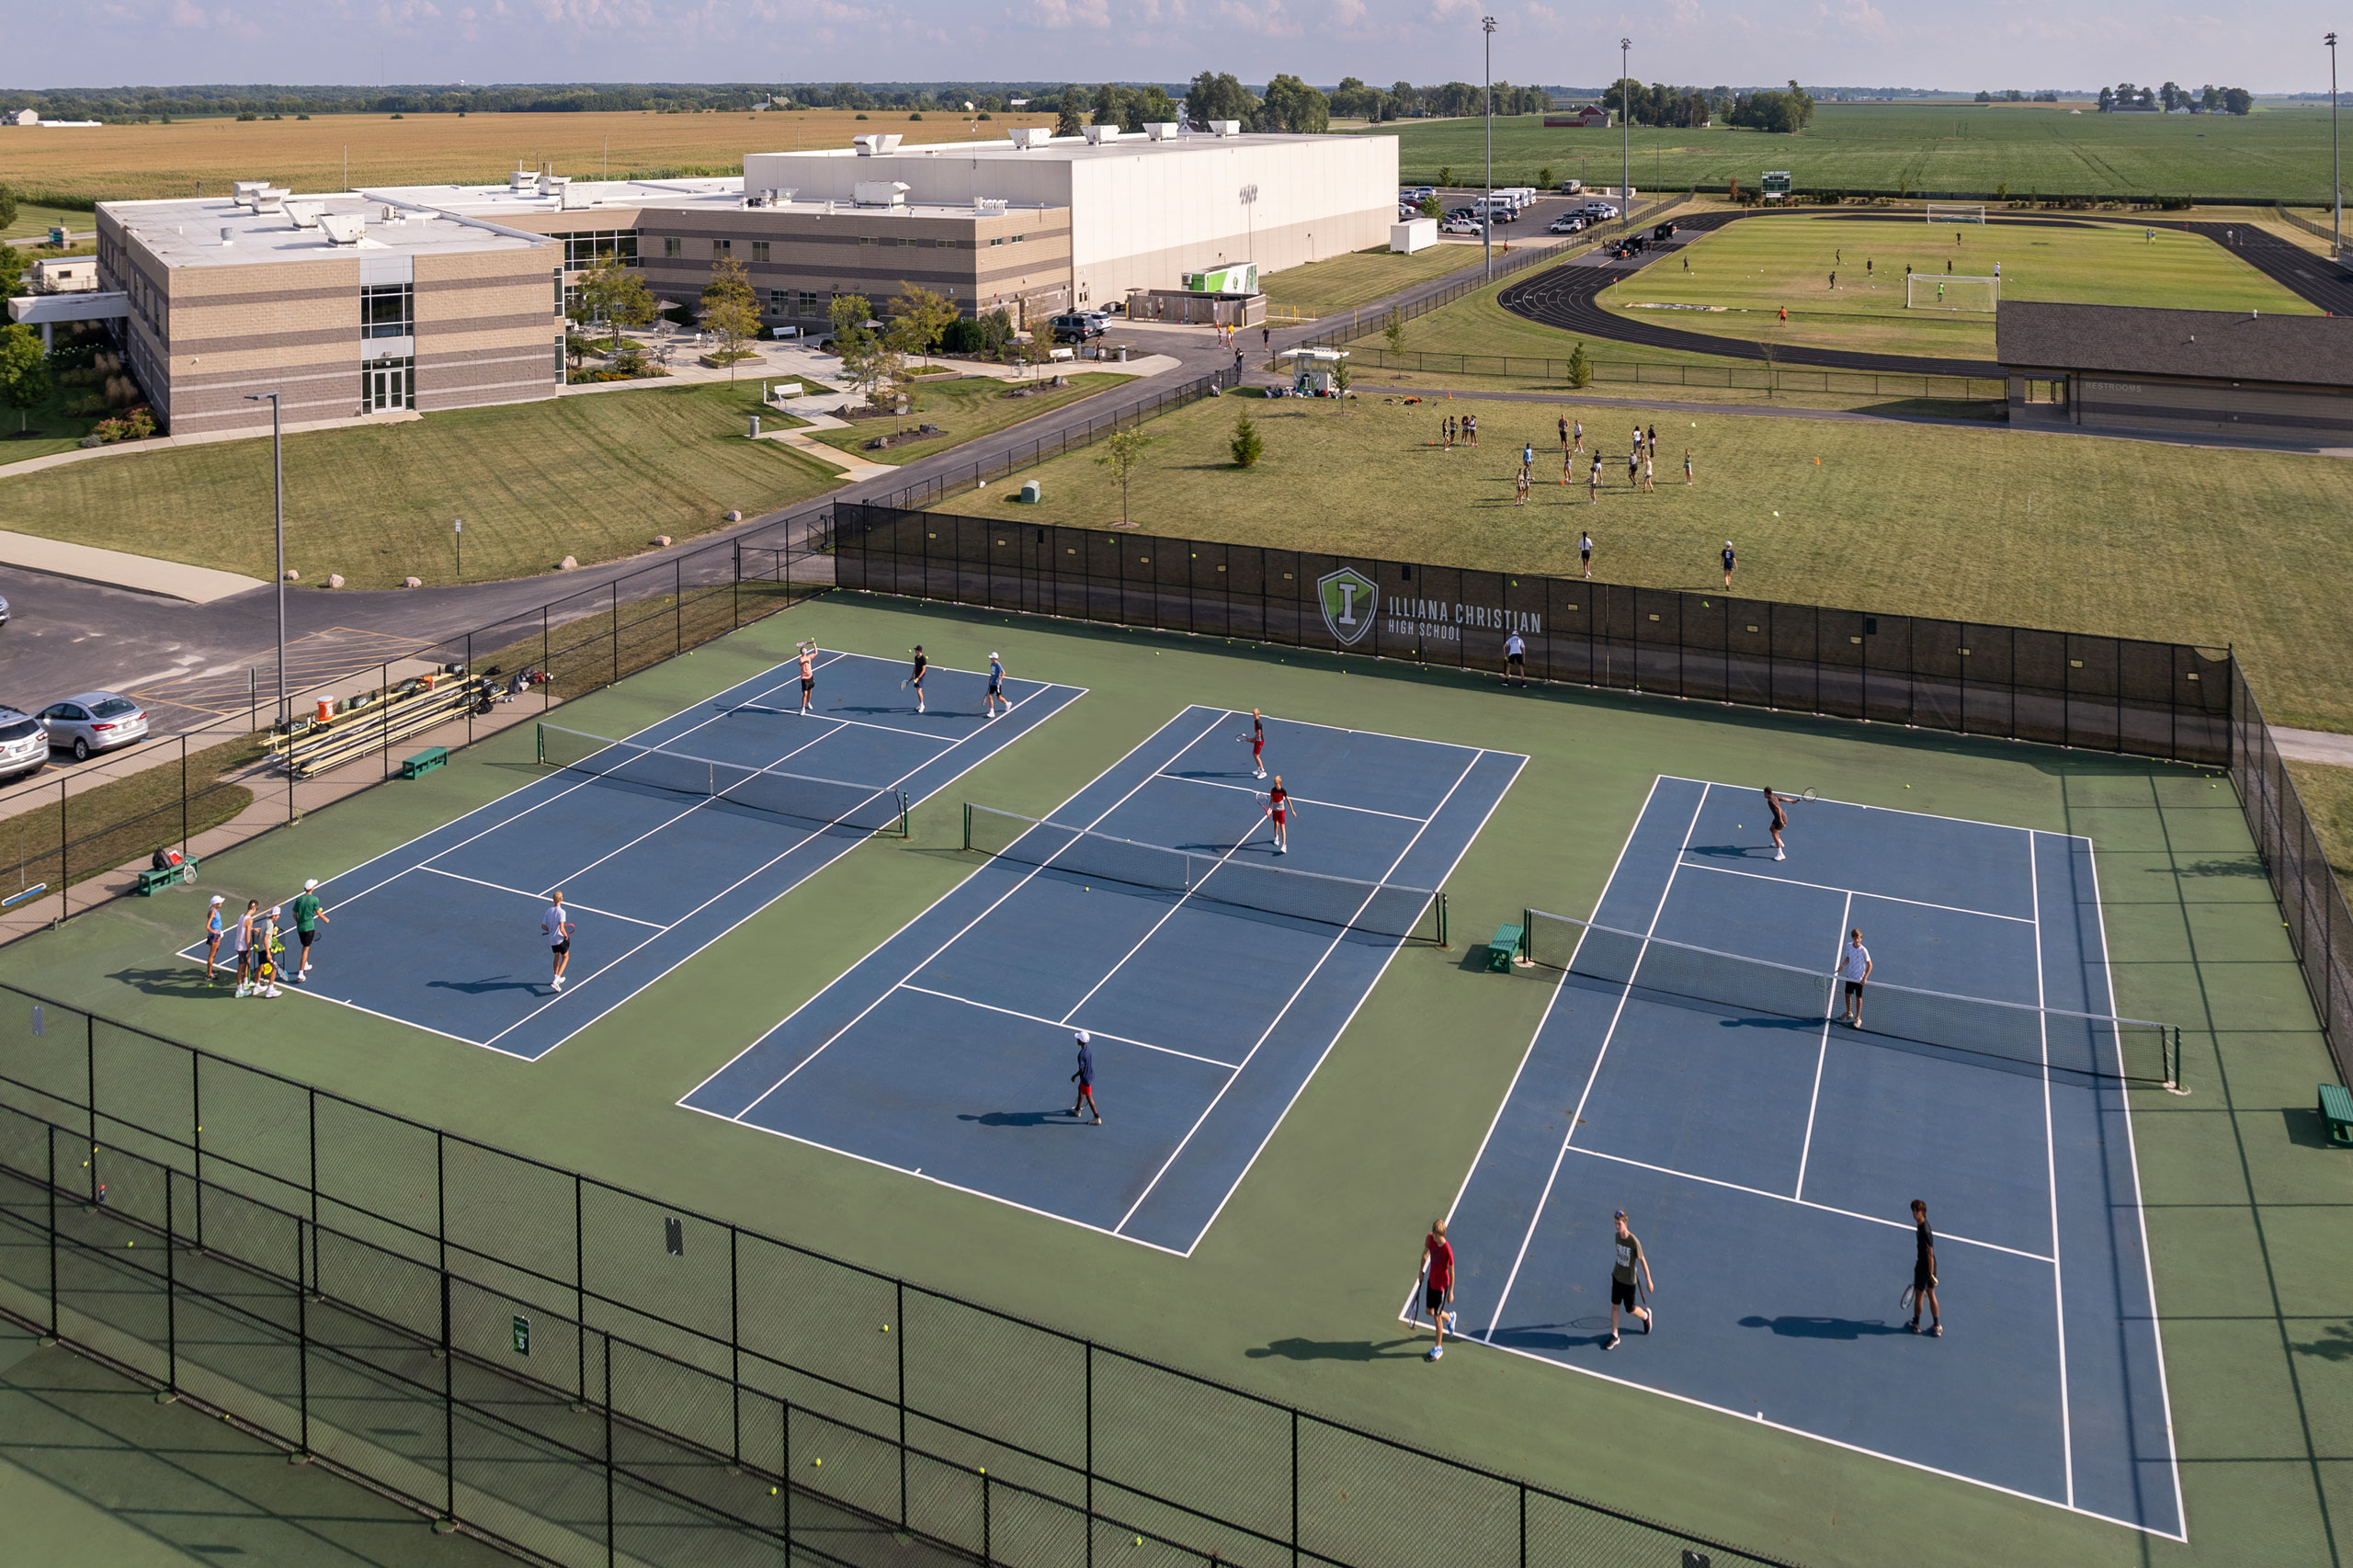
{"x":756,"y":426}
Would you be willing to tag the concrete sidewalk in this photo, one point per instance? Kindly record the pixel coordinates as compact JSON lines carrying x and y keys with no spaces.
{"x":115,"y":568}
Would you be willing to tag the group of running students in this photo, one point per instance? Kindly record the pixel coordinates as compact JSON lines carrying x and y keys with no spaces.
{"x":1641,"y":456}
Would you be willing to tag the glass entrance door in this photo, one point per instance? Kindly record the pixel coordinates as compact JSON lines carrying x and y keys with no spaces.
{"x":384,"y":387}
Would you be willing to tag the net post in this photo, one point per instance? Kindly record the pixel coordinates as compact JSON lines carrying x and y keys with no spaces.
{"x":540,"y":744}
{"x":1441,"y":917}
{"x":906,"y":809}
{"x":968,"y":824}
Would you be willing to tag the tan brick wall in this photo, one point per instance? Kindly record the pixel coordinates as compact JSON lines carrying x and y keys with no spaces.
{"x":290,"y":327}
{"x":486,"y":326}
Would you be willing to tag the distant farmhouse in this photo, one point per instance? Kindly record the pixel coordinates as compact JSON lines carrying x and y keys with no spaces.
{"x":1593,"y":117}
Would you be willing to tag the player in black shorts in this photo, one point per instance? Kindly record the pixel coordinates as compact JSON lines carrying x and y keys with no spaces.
{"x":914,"y":677}
{"x":808,"y":674}
{"x":1924,"y":1274}
{"x":996,"y":688}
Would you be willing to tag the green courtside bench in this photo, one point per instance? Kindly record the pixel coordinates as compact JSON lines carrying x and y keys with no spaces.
{"x":424,"y":762}
{"x":2336,"y":1113}
{"x":156,"y":877}
{"x":1504,"y":946}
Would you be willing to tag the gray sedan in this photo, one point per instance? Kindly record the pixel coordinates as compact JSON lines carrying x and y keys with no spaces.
{"x":96,"y":721}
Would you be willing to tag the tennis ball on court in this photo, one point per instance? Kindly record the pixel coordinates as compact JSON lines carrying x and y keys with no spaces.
{"x":772,"y":1491}
{"x":1139,"y":1540}
{"x":886,"y":1328}
{"x":816,"y":1463}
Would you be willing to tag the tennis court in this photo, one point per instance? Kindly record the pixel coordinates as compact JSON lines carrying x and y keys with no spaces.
{"x":660,"y":841}
{"x":1150,"y":910}
{"x":1688,"y":1069}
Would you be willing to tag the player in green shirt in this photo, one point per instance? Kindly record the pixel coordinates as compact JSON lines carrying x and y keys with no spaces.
{"x":309,"y":916}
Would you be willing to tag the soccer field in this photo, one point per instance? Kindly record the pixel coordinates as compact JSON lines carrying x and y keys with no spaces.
{"x":2275,"y":154}
{"x":1736,"y":281}
{"x":941,"y":1154}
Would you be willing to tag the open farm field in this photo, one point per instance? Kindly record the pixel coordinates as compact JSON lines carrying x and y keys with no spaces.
{"x":2273,"y":155}
{"x":116,"y":162}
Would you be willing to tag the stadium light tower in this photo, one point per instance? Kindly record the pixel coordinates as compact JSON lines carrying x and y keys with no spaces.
{"x":1625,"y":135}
{"x":1487,"y":213}
{"x":2335,"y":166}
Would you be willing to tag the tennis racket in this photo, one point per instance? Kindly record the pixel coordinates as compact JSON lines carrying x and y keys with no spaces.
{"x":1414,"y":1301}
{"x":1808,"y":795}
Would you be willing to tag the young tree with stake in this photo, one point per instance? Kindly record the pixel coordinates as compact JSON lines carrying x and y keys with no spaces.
{"x":1122,"y":453}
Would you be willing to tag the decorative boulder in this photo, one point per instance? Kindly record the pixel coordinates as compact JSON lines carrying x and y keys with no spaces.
{"x":411,"y":582}
{"x":567,"y":564}
{"x":734,"y":517}
{"x":334,"y":580}
{"x":292,"y":575}
{"x":662,"y":541}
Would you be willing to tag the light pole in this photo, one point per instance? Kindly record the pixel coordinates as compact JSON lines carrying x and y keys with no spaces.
{"x":458,"y":528}
{"x":1625,"y":136}
{"x":1487,"y":213}
{"x":2335,"y":168}
{"x":278,"y":485}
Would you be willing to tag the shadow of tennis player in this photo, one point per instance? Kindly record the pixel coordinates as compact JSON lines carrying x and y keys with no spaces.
{"x":483,"y":987}
{"x":1821,"y":1328}
{"x":1022,"y":1119}
{"x":1409,"y":1348}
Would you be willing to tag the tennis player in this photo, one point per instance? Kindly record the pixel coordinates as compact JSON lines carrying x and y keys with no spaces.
{"x":808,"y":675}
{"x":914,"y":677}
{"x":245,"y":936}
{"x":1924,"y":1274}
{"x":1630,"y":1258}
{"x":996,"y":688}
{"x":1278,"y":810}
{"x":1773,"y":804}
{"x":309,"y":916}
{"x":1085,"y":1078}
{"x":1514,"y":659}
{"x":269,"y":946}
{"x":215,"y":928}
{"x":556,"y":925}
{"x":1855,"y":969}
{"x":1258,"y":739}
{"x":1437,"y":1284}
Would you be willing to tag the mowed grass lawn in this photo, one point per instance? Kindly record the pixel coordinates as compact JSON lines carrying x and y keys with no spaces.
{"x":1746,"y":273}
{"x":2278,"y":153}
{"x":965,"y":409}
{"x":2081,"y":533}
{"x":114,"y":163}
{"x":592,"y":477}
{"x":1321,"y":287}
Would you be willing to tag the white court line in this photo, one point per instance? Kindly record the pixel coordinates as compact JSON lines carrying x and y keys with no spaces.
{"x":1021,"y":882}
{"x":1822,"y":1056}
{"x":2140,"y":1210}
{"x":1593,"y":1073}
{"x":767,"y":711}
{"x":1496,"y":1120}
{"x":1059,"y":1023}
{"x":756,"y":871}
{"x":1801,"y":1202}
{"x":1521,"y":763}
{"x":2051,"y":1177}
{"x":536,"y":897}
{"x":1165,"y":916}
{"x":1857,"y":892}
{"x":1302,"y":800}
{"x":1284,"y":1012}
{"x":913,"y":921}
{"x":1862,"y":806}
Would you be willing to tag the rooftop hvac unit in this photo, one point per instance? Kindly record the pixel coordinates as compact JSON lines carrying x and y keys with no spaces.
{"x":305,"y":214}
{"x":1032,"y":136}
{"x":249,"y":190}
{"x":228,"y":236}
{"x":1098,"y":134}
{"x":880,"y":193}
{"x":522,"y":180}
{"x":1160,"y":129}
{"x":553,"y":185}
{"x":1225,"y":127}
{"x":876,"y":146}
{"x":343,"y":228}
{"x":270,"y":199}
{"x":990,"y":206}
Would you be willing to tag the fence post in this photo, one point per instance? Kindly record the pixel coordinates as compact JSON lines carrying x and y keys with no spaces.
{"x":735,"y":1352}
{"x":183,"y":794}
{"x":301,"y":1344}
{"x":613,"y":1532}
{"x":1523,"y":1525}
{"x":899,"y":1288}
{"x":64,"y":858}
{"x":1090,"y":1453}
{"x":90,"y":1072}
{"x":988,"y":1556}
{"x":735,"y":584}
{"x":54,"y":1332}
{"x":171,"y":1390}
{"x":1294,"y":1486}
{"x":617,"y":629}
{"x":677,"y":605}
{"x":196,"y":1136}
{"x":580,"y":1284}
{"x":787,"y":1488}
{"x":449,"y":1413}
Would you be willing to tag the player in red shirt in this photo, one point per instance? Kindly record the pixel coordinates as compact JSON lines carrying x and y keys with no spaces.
{"x":1437,"y":1284}
{"x":1278,"y":810}
{"x":1258,"y":739}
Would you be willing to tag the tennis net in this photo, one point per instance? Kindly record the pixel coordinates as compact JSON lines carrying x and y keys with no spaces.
{"x":871,"y":808}
{"x":2088,"y":1044}
{"x":1385,"y":909}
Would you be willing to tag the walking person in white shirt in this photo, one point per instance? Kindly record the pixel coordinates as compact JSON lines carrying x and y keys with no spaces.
{"x":556,"y":923}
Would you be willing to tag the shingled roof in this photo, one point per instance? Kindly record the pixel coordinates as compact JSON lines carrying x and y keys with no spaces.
{"x":2131,"y":340}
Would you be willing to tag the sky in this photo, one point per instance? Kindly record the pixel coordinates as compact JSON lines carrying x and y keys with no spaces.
{"x":1917,"y":44}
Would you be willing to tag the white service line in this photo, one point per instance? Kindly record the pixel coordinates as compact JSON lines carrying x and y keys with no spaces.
{"x":1822,"y":1056}
{"x":1856,"y":893}
{"x":537,"y":897}
{"x":2051,"y":1177}
{"x":1302,"y":800}
{"x":1058,"y":1023}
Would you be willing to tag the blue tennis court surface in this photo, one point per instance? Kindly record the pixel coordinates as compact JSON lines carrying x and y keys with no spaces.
{"x":947,"y":1052}
{"x":444,"y":932}
{"x":1767,"y":1163}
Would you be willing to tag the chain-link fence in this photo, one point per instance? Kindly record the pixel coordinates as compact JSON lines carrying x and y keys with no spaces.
{"x":2159,"y":700}
{"x":1737,"y":378}
{"x":584,"y":1373}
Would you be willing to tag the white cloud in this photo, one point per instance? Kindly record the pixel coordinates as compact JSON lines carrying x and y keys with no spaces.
{"x":1070,"y":13}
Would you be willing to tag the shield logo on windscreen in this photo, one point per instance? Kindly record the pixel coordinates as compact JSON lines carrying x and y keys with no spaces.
{"x":1349,"y":597}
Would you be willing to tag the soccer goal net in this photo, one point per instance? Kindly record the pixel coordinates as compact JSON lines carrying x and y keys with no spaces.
{"x":1956,"y":213}
{"x":1943,"y":292}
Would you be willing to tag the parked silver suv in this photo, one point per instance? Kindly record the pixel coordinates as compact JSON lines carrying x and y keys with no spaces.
{"x":24,"y":745}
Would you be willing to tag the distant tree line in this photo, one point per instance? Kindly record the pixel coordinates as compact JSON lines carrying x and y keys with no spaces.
{"x":2012,"y":95}
{"x":2208,"y":99}
{"x":1352,"y":99}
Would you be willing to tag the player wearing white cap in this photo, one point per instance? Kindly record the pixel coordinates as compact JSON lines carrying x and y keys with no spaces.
{"x":996,"y":687}
{"x":1084,"y":1077}
{"x":214,"y":931}
{"x":309,"y":916}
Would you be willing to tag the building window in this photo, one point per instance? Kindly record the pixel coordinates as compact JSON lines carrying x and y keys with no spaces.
{"x":722,"y":249}
{"x":559,"y":360}
{"x":583,"y":249}
{"x":779,"y":301}
{"x":387,"y":310}
{"x":557,"y":278}
{"x":387,"y":385}
{"x":868,"y":239}
{"x":759,"y":250}
{"x":1019,"y":238}
{"x":906,"y":240}
{"x":945,"y":244}
{"x":673,"y":249}
{"x":997,"y":239}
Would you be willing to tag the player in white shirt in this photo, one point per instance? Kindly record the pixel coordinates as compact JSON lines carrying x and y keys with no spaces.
{"x":1854,"y":970}
{"x":1514,"y":659}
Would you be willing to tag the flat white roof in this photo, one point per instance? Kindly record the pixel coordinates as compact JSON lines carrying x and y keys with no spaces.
{"x":585,"y":197}
{"x":187,"y":232}
{"x":1069,"y":149}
